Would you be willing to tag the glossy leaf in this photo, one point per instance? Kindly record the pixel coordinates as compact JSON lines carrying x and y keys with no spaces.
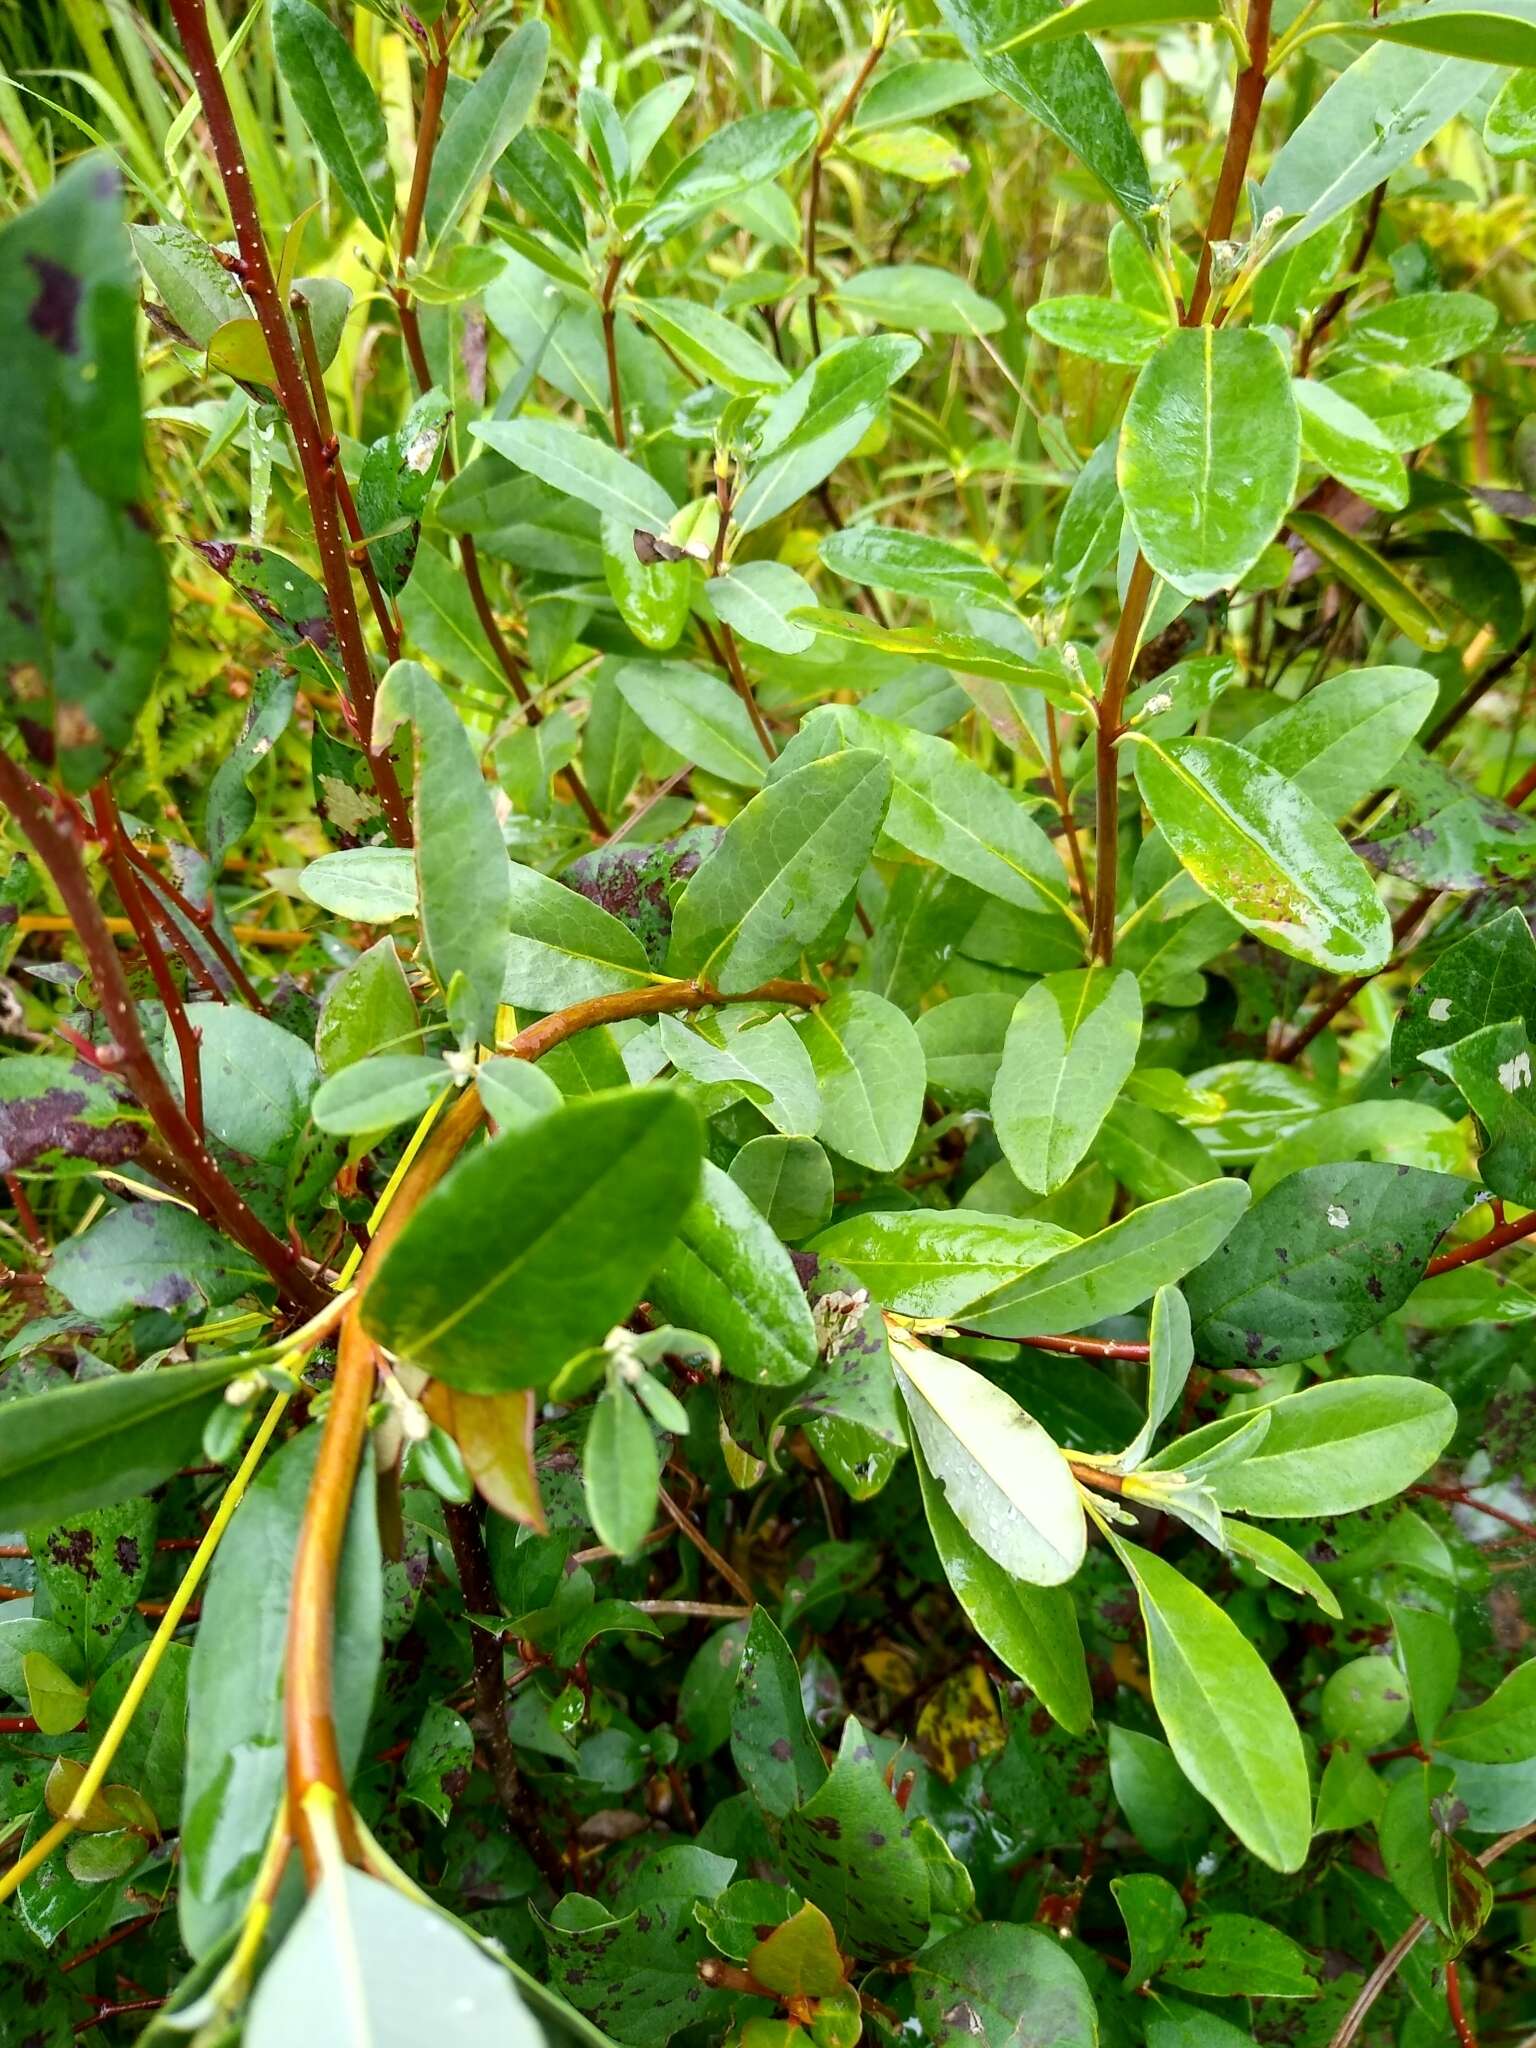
{"x":1208,"y":455}
{"x":1070,"y":1046}
{"x":1328,"y":1252}
{"x":1004,"y":1479}
{"x":338,"y":106}
{"x":1265,"y":852}
{"x":784,"y":873}
{"x":1225,"y":1717}
{"x":567,"y":1216}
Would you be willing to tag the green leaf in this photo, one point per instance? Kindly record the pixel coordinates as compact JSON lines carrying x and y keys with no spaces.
{"x":83,"y":607}
{"x":761,"y":1059}
{"x":364,"y":1963}
{"x":698,"y":715}
{"x":1423,"y":328}
{"x":1509,"y":126}
{"x":443,"y":1747}
{"x":913,"y":565}
{"x":1372,"y":120}
{"x":200,"y":295}
{"x":783,"y":875}
{"x":1001,"y":1475}
{"x":1226,"y":1719}
{"x":59,"y":1115}
{"x":637,"y":1975}
{"x":1349,"y":445}
{"x":652,"y":596}
{"x":90,"y":1571}
{"x":338,"y":107}
{"x":772,"y":1746}
{"x":1209,"y":452}
{"x":1064,"y":85}
{"x":1500,"y":1729}
{"x":1487,"y":31}
{"x":562,"y":948}
{"x":1117,"y":1270}
{"x":968,"y":654}
{"x":1341,"y":742}
{"x":54,"y":1700}
{"x":483,"y":123}
{"x":368,"y":1008}
{"x":761,"y":600}
{"x":1164,"y":1811}
{"x":736,"y":158}
{"x":1070,"y":1046}
{"x":944,"y":808}
{"x":850,"y":1849}
{"x":936,"y":1263}
{"x":620,"y":1469}
{"x":1000,"y":1985}
{"x":375,"y":1094}
{"x":1265,"y":852}
{"x":1153,"y":1914}
{"x":1327,"y":1253}
{"x":231,"y":808}
{"x":104,"y":1440}
{"x":712,"y":344}
{"x":1427,"y":1866}
{"x":1276,"y":1560}
{"x":373,"y":884}
{"x":538,"y":1243}
{"x":725,"y":1273}
{"x":1089,"y":523}
{"x":1105,"y":330}
{"x":439,"y":618}
{"x":820,"y":418}
{"x":1430,"y":1651}
{"x":870,"y":1069}
{"x":917,"y":295}
{"x":1486,"y":978}
{"x":1032,"y":1628}
{"x":1232,"y":1955}
{"x":235,"y":1753}
{"x":461,"y":867}
{"x":1100,"y":17}
{"x":1369,"y":573}
{"x":1171,"y":1354}
{"x":789,"y":1180}
{"x":153,"y":1255}
{"x":395,"y":482}
{"x":1333,"y":1448}
{"x":570,"y":461}
{"x":1491,"y":1069}
{"x":1408,"y":406}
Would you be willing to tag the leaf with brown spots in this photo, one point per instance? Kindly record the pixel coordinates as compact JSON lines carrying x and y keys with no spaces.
{"x":83,"y":617}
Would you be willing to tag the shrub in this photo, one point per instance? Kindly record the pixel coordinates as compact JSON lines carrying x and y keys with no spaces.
{"x":768,"y":985}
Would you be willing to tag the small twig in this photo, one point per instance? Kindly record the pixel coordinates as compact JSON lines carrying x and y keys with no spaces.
{"x":743,"y":689}
{"x":611,"y":347}
{"x":707,"y":1610}
{"x":1459,"y":2020}
{"x":1064,"y":804}
{"x":707,"y":1550}
{"x":110,"y":827}
{"x":256,"y":275}
{"x":1392,"y":1961}
{"x":479,"y":1590}
{"x":360,"y":556}
{"x":824,"y":142}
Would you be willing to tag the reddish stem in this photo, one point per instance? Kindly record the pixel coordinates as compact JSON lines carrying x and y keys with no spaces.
{"x":51,"y":828}
{"x":261,"y":286}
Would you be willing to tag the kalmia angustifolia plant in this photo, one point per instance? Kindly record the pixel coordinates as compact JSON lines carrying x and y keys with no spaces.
{"x":768,"y":985}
